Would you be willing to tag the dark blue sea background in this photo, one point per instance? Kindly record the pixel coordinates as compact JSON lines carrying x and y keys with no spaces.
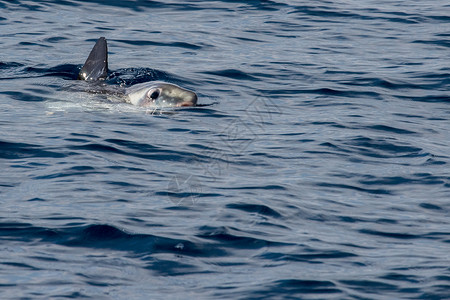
{"x":317,"y":167}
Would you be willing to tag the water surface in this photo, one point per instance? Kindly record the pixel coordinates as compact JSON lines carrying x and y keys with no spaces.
{"x":319,"y":168}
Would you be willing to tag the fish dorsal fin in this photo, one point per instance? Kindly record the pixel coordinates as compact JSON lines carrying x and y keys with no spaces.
{"x":96,"y":65}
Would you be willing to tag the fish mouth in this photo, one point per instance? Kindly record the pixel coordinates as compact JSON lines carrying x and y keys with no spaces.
{"x":186,"y":104}
{"x":190,"y":102}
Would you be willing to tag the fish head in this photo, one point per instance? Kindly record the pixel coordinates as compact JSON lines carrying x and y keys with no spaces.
{"x":160,"y":94}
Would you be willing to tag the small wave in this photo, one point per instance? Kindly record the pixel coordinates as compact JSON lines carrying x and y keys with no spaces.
{"x":161,"y":44}
{"x":293,"y":288}
{"x":256,"y":208}
{"x":394,"y":235}
{"x":66,"y":71}
{"x":9,"y":65}
{"x":233,"y":74}
{"x":312,"y":257}
{"x":234,"y":238}
{"x":381,"y":148}
{"x":10,"y":150}
{"x":106,"y":237}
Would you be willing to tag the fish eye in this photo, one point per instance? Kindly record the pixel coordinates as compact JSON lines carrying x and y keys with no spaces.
{"x":153,"y":94}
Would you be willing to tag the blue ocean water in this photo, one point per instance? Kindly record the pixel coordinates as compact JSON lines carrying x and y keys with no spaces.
{"x":317,"y":169}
